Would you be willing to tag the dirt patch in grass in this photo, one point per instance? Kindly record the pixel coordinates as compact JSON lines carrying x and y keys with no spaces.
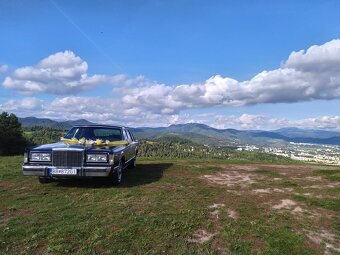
{"x":217,"y":210}
{"x":11,"y":213}
{"x":7,"y":184}
{"x":324,"y":185}
{"x":272,"y":190}
{"x":330,"y":204}
{"x":300,"y":211}
{"x":297,"y":210}
{"x":215,"y":214}
{"x":330,"y":241}
{"x":201,"y":236}
{"x":318,"y":195}
{"x":217,"y":206}
{"x":308,"y":178}
{"x":232,"y":214}
{"x":332,"y":175}
{"x":285,"y":204}
{"x":231,"y":178}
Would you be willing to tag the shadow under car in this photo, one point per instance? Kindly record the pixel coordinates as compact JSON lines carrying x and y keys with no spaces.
{"x":142,"y":174}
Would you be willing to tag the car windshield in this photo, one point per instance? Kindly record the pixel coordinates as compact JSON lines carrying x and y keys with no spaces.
{"x":94,"y":133}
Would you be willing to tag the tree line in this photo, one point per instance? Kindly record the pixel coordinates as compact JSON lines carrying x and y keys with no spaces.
{"x":176,"y":147}
{"x":37,"y":135}
{"x":14,"y":139}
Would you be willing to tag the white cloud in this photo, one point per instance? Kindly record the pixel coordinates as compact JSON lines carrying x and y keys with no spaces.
{"x":28,"y":105}
{"x":323,"y":58}
{"x":60,"y":73}
{"x":306,"y":75}
{"x":109,"y":111}
{"x":322,"y":122}
{"x":244,"y":121}
{"x":261,"y":122}
{"x":3,"y":68}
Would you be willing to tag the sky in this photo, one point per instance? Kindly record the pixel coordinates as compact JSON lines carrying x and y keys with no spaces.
{"x":228,"y":64}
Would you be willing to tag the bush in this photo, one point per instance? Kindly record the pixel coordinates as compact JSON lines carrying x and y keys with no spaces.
{"x":12,"y":141}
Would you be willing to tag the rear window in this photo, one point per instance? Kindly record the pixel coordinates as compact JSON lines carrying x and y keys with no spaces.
{"x":107,"y":134}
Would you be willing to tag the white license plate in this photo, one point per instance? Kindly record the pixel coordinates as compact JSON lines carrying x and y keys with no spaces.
{"x":57,"y":171}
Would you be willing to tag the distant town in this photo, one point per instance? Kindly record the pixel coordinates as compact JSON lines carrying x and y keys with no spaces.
{"x":328,"y":154}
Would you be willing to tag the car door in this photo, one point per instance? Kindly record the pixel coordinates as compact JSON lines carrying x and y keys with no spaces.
{"x":128,"y":150}
{"x":133,"y":143}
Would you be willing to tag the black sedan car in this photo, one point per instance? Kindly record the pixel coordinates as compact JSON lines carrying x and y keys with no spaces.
{"x":85,"y":151}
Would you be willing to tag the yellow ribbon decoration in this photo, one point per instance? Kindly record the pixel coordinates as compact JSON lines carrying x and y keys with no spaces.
{"x":98,"y":142}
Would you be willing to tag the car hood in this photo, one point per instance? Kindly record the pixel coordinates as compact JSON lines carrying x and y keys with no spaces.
{"x":63,"y":145}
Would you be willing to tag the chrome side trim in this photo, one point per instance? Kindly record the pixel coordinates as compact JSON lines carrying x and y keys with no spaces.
{"x":127,"y":162}
{"x":34,"y":167}
{"x":96,"y":167}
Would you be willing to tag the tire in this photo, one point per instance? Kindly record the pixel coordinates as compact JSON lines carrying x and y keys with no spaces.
{"x":118,"y":174}
{"x":44,"y":180}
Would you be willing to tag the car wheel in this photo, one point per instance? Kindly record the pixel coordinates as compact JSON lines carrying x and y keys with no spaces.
{"x":44,"y":180}
{"x":118,"y":174}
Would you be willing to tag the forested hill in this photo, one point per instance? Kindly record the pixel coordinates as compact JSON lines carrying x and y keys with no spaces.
{"x":44,"y":122}
{"x":203,"y":134}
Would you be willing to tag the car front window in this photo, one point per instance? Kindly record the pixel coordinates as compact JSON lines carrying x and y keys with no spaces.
{"x":94,"y":133}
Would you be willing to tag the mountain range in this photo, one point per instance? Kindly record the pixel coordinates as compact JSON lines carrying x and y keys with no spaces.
{"x":44,"y":122}
{"x":204,"y":134}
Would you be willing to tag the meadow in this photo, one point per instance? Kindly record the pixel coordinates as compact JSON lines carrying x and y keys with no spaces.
{"x":165,"y":206}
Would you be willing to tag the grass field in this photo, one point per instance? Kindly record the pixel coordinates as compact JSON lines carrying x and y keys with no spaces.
{"x":174,"y":207}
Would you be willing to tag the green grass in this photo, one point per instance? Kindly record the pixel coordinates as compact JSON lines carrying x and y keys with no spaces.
{"x":157,"y":210}
{"x":332,"y":175}
{"x":268,"y":172}
{"x":331,"y":204}
{"x":271,"y":233}
{"x":288,"y":184}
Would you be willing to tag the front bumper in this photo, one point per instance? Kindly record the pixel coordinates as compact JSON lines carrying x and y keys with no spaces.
{"x":86,"y":171}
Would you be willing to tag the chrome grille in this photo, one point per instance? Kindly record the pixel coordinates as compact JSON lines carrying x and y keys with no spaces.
{"x":67,"y":158}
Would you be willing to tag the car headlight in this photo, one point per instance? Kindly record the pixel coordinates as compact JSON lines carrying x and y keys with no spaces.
{"x":38,"y":156}
{"x":96,"y":158}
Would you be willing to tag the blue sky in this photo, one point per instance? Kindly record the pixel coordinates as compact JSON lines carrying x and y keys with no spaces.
{"x":154,"y":62}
